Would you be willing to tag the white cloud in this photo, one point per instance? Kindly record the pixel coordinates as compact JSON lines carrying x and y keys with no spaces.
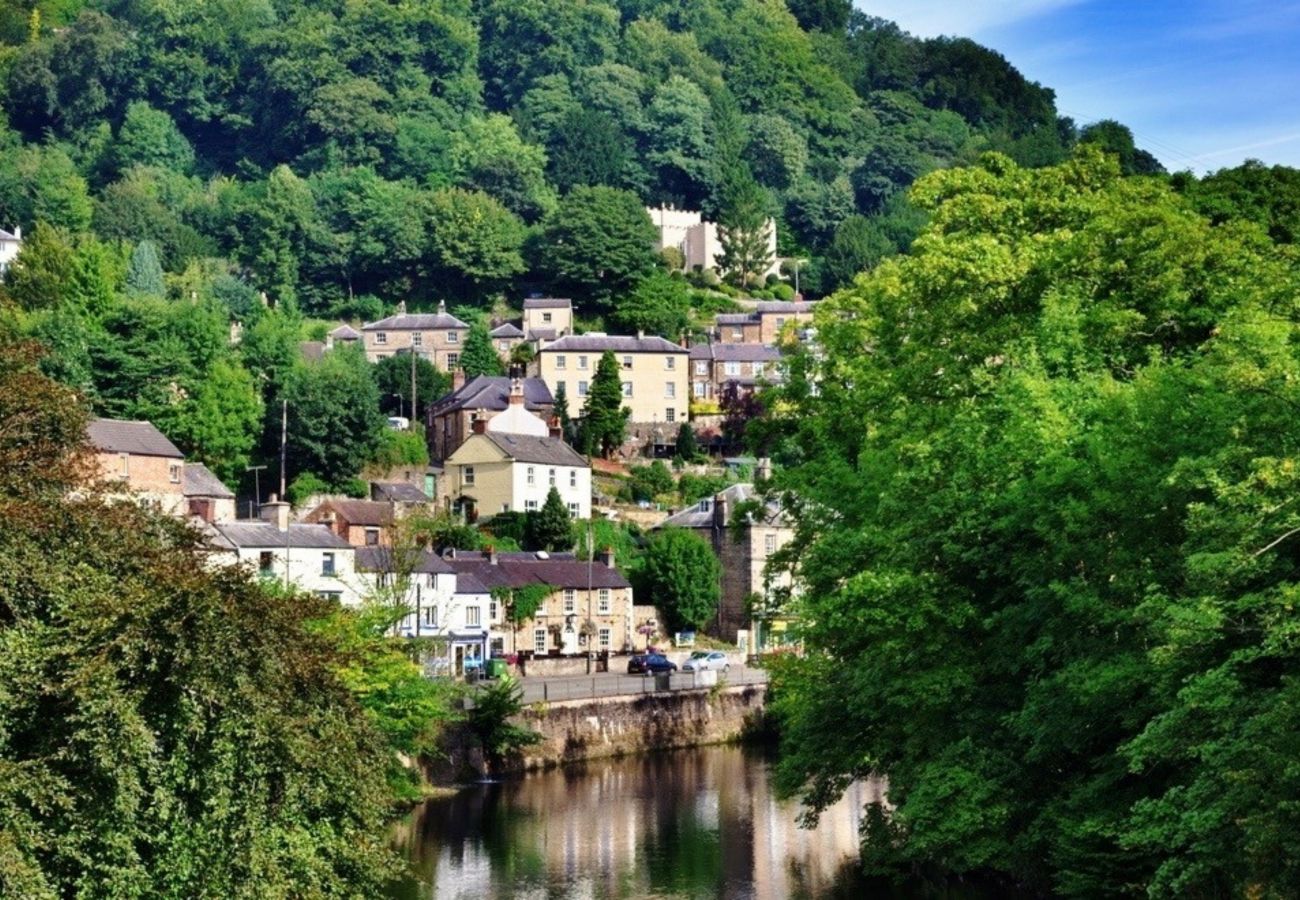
{"x":968,"y":18}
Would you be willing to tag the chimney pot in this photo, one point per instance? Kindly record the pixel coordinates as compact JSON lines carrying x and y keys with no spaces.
{"x":276,"y":512}
{"x":606,"y":557}
{"x":492,"y":554}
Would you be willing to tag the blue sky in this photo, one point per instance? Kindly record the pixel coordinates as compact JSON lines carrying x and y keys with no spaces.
{"x":1204,"y":84}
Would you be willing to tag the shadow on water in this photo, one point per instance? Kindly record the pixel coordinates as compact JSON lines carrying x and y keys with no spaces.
{"x":691,"y":824}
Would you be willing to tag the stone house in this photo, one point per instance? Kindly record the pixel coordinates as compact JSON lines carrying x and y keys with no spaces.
{"x":309,"y":557}
{"x":139,"y":458}
{"x":494,"y":472}
{"x":737,"y":328}
{"x":505,"y":338}
{"x":769,"y":322}
{"x":653,"y":372}
{"x":698,"y":240}
{"x":744,"y":550}
{"x":547,"y":318}
{"x":589,"y":607}
{"x":713,"y":366}
{"x":437,"y":337}
{"x":362,"y":523}
{"x":450,"y":419}
{"x":206,"y":497}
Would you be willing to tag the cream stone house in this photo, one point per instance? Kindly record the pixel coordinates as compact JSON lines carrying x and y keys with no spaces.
{"x":494,"y":472}
{"x":437,"y":337}
{"x":653,"y":372}
{"x":547,"y":318}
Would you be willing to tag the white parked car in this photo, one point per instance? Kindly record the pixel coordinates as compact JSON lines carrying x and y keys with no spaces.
{"x":702,"y":660}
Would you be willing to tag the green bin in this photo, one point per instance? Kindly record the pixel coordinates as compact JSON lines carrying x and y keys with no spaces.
{"x":496,"y":668}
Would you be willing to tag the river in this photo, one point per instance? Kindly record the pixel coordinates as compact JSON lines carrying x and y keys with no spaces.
{"x":689,"y":824}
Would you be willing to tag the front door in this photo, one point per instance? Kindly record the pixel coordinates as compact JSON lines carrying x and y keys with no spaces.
{"x":569,"y":640}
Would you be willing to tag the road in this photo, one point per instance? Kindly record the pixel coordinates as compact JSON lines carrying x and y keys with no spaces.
{"x":617,"y":684}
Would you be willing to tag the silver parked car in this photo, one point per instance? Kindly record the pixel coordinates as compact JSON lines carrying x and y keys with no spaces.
{"x":707,"y":659}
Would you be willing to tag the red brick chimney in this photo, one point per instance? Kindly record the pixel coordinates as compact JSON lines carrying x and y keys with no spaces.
{"x":517,"y":391}
{"x":479,"y":426}
{"x":458,"y":379}
{"x":556,"y":431}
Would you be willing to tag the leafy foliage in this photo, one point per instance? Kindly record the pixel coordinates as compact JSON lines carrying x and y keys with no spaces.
{"x":681,"y":575}
{"x":604,"y":417}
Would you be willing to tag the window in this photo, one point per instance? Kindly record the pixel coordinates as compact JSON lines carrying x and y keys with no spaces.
{"x":530,"y":506}
{"x":381,"y":337}
{"x":670,"y":362}
{"x":699,"y":387}
{"x":336,"y":596}
{"x":602,"y":603}
{"x":560,"y":386}
{"x":539,"y":640}
{"x":570,"y":601}
{"x":701,"y":367}
{"x":670,"y":415}
{"x":627,"y":362}
{"x":327,"y":563}
{"x":731,"y":368}
{"x":505,"y":507}
{"x":492,"y":610}
{"x":472,"y":614}
{"x":582,"y":362}
{"x":561,"y":361}
{"x":769,"y":543}
{"x":431,"y":616}
{"x":603,"y":634}
{"x":125,"y":459}
{"x":760,"y":369}
{"x":174,"y":472}
{"x":780,"y":322}
{"x":532,"y":477}
{"x":467,"y":476}
{"x":737,"y":334}
{"x":670,"y":390}
{"x":574,"y":509}
{"x":453,"y":337}
{"x":503,"y":346}
{"x":573,"y":478}
{"x":372,"y":537}
{"x":453,"y":360}
{"x":582,"y":388}
{"x":552,"y":477}
{"x":627,"y":389}
{"x":417,"y":339}
{"x":546,"y":317}
{"x":265,"y":560}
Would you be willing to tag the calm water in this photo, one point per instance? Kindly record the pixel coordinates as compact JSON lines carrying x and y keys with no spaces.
{"x":690,"y":824}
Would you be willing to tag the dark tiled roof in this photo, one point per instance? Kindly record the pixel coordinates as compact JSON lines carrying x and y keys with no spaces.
{"x":385,"y":559}
{"x":466,"y":583}
{"x":200,"y":482}
{"x":362,"y":512}
{"x":139,"y":438}
{"x":736,"y":319}
{"x":542,"y":334}
{"x":345,"y":332}
{"x":264,"y":534}
{"x":506,"y":330}
{"x":778,"y":307}
{"x":736,"y":352}
{"x":397,"y":492}
{"x":559,"y":573}
{"x":528,"y":448}
{"x":595,"y":343}
{"x":417,"y":322}
{"x":492,"y":392}
{"x":547,"y":303}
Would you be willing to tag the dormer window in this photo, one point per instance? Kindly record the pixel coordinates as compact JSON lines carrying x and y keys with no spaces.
{"x":706,"y":506}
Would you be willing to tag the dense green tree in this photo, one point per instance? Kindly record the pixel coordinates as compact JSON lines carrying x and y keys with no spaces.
{"x":551,"y":527}
{"x":568,"y":430}
{"x":221,"y":425}
{"x":680,"y":571}
{"x":1117,"y":139}
{"x":149,"y":137}
{"x":588,"y":147}
{"x":477,"y":355}
{"x":660,"y":304}
{"x":598,"y":244}
{"x":649,"y":482}
{"x":744,"y":228}
{"x":1267,"y":195}
{"x":679,"y":151}
{"x":144,"y":274}
{"x":334,"y":424}
{"x":489,"y":156}
{"x":393,"y":378}
{"x":821,"y":15}
{"x":476,"y":243}
{"x":42,"y":184}
{"x":1038,"y":527}
{"x":688,"y":446}
{"x":604,"y":417}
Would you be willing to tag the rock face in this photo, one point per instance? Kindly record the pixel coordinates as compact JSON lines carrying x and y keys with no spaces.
{"x":590,"y":729}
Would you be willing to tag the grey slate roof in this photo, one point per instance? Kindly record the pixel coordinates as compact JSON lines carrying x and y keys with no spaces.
{"x":528,"y":448}
{"x":417,"y":322}
{"x":345,"y":332}
{"x":362,"y":512}
{"x":506,"y":330}
{"x":547,"y":303}
{"x":397,"y":492}
{"x":138,"y":438}
{"x":268,"y":536}
{"x":778,"y":306}
{"x":736,"y":352}
{"x":700,"y":514}
{"x":200,"y":482}
{"x":512,"y":571}
{"x":543,"y":334}
{"x":492,"y":392}
{"x":7,"y":235}
{"x":594,"y":343}
{"x":384,"y":559}
{"x":735,"y":319}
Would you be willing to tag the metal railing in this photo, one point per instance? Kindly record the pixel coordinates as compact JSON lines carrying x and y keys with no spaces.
{"x":612,"y":685}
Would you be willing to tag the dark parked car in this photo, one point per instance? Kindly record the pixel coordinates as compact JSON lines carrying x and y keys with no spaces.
{"x":645,"y":663}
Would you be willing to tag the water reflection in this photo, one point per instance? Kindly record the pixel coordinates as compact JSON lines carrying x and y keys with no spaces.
{"x":701,"y":823}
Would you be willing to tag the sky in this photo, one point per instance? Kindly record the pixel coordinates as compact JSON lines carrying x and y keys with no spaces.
{"x":1203,"y":84}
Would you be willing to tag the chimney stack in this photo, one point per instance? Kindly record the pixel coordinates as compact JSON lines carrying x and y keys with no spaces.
{"x":554,"y":427}
{"x":640,"y":334}
{"x":606,"y":557}
{"x":442,"y":307}
{"x":763,"y":469}
{"x":479,"y":425}
{"x":329,"y":341}
{"x":18,"y":232}
{"x":492,"y":554}
{"x":457,"y":379}
{"x":516,"y":390}
{"x":276,"y":512}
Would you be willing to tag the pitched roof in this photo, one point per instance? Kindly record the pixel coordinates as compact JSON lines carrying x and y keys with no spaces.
{"x":492,"y":392}
{"x":514,"y":570}
{"x":506,"y":330}
{"x":599,"y":343}
{"x":122,"y":436}
{"x":543,"y":334}
{"x":417,"y":322}
{"x":528,"y":448}
{"x":264,"y":534}
{"x":700,"y":514}
{"x":361,"y":512}
{"x":735,"y":319}
{"x":200,"y":482}
{"x":547,"y":303}
{"x":312,"y":351}
{"x":385,"y":559}
{"x":736,"y":352}
{"x":779,"y":306}
{"x":345,"y":332}
{"x":397,"y":492}
{"x":8,"y":236}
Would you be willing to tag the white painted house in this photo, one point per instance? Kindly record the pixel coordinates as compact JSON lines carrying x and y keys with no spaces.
{"x":494,"y":472}
{"x":10,"y":244}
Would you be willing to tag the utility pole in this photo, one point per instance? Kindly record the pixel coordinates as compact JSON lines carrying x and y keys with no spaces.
{"x":591,"y":555}
{"x":257,"y":490}
{"x":284,"y":438}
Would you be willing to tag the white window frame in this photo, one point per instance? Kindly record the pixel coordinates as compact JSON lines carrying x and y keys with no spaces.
{"x":731,"y":368}
{"x":627,"y":388}
{"x":670,"y":390}
{"x":174,"y":471}
{"x":627,"y":362}
{"x":453,"y":360}
{"x":575,"y":509}
{"x":532,"y":475}
{"x":570,"y":601}
{"x":701,"y":367}
{"x":467,"y":476}
{"x":582,"y":388}
{"x":573,"y":478}
{"x":431,"y":616}
{"x":604,"y":635}
{"x":602,"y":602}
{"x":474,"y":615}
{"x":769,"y":543}
{"x":561,"y":361}
{"x":539,"y":640}
{"x":670,"y":415}
{"x":328,"y":564}
{"x":582,"y":363}
{"x":381,"y":337}
{"x":546,"y":318}
{"x":552,"y":477}
{"x":670,"y":362}
{"x":417,"y":339}
{"x":125,"y":459}
{"x":453,"y":337}
{"x":530,"y":506}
